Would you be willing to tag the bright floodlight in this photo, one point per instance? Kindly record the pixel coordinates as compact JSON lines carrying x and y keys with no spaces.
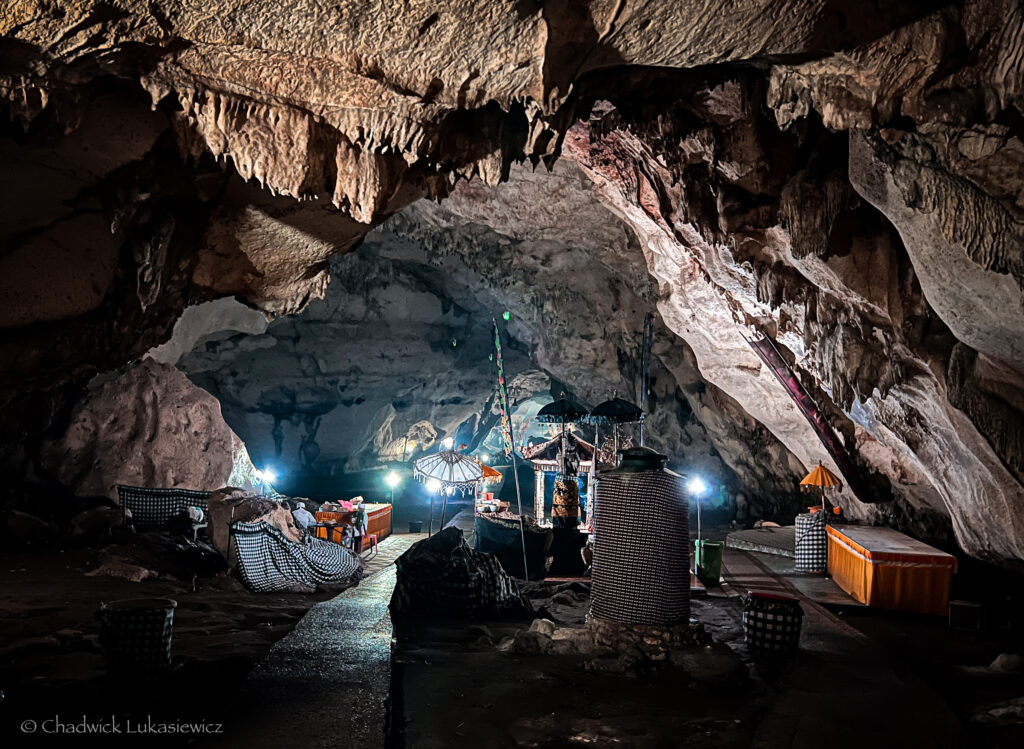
{"x":484,"y":457}
{"x":697,"y":486}
{"x":447,"y":443}
{"x":433,"y":485}
{"x":392,"y":479}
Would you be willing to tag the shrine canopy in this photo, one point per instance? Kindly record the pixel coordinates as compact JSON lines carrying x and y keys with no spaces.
{"x":615,"y":411}
{"x":561,"y":411}
{"x":545,"y":455}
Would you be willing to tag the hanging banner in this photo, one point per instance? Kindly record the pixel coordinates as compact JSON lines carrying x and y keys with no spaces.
{"x":506,"y":413}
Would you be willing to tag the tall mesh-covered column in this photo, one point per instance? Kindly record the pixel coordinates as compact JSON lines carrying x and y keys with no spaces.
{"x":641,"y":572}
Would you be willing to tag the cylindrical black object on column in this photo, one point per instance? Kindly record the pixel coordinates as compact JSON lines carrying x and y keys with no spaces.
{"x":641,"y":572}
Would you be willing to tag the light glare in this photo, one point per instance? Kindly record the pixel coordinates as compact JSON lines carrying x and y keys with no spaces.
{"x":392,"y":479}
{"x":434,"y":486}
{"x":697,"y":486}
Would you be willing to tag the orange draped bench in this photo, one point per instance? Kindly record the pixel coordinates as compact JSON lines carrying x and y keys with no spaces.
{"x":884,"y":568}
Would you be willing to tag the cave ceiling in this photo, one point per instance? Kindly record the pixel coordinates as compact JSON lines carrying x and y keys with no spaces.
{"x":843,"y":178}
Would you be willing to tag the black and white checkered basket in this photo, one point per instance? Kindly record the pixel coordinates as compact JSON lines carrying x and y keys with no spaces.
{"x":268,"y":561}
{"x":135,"y":635}
{"x":771,"y":623}
{"x":811,"y":542}
{"x":152,"y":508}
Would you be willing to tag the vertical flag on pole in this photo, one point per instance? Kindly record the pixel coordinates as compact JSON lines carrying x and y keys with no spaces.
{"x":506,"y":423}
{"x":506,"y":431}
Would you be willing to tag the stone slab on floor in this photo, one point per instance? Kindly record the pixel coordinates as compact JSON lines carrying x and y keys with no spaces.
{"x":389,"y":550}
{"x":819,"y":588}
{"x":843,"y":691}
{"x":781,"y":541}
{"x":327,"y":683}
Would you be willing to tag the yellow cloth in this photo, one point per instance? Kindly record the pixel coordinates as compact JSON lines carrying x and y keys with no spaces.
{"x":882,"y":567}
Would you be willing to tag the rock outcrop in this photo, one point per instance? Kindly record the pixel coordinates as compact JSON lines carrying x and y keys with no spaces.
{"x":149,"y":426}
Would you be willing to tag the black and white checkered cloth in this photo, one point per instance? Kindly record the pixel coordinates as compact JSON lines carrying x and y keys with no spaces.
{"x":268,"y":561}
{"x":811,"y":542}
{"x":641,"y":571}
{"x":152,"y":508}
{"x":443,"y":576}
{"x":772,"y":624}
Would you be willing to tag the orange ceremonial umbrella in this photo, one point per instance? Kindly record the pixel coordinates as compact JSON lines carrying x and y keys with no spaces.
{"x":823,"y":479}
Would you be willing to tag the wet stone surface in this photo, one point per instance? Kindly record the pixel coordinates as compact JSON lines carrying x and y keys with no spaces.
{"x":326,"y":683}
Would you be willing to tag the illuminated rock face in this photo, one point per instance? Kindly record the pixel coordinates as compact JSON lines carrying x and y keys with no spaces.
{"x":846,"y":182}
{"x":401,"y":345}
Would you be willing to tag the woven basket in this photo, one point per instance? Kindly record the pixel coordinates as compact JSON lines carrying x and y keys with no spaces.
{"x":135,"y":635}
{"x":771,"y":623}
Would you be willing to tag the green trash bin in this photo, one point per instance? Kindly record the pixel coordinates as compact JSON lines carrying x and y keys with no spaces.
{"x":709,"y":560}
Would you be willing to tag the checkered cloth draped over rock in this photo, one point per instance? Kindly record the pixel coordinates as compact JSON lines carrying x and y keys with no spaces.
{"x":771,"y":623}
{"x":641,"y":572}
{"x":152,"y":508}
{"x":811,"y":542}
{"x":443,"y":576}
{"x":268,"y":561}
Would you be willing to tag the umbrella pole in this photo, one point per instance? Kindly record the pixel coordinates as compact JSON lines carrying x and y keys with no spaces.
{"x":698,"y":521}
{"x":444,"y":506}
{"x":430,"y":528}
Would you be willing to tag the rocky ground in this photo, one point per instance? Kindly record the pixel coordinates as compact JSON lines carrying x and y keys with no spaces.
{"x":896,"y":680}
{"x":457,"y":688}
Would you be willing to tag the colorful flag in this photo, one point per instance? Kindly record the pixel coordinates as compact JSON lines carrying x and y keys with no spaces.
{"x":506,"y":415}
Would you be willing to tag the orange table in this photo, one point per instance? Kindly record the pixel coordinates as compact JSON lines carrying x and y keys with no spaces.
{"x":884,"y":568}
{"x":378,"y":520}
{"x":342,"y":519}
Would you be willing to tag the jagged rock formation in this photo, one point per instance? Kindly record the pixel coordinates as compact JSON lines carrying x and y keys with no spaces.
{"x":843,"y":180}
{"x":149,"y":426}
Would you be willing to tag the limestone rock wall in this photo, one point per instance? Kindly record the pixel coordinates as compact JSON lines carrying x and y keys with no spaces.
{"x":149,"y":426}
{"x":843,"y":178}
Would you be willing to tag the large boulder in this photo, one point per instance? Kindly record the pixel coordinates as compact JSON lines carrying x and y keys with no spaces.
{"x":150,"y":426}
{"x":230,"y":505}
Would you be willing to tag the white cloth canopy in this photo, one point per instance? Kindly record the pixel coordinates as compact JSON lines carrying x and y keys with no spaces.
{"x":451,"y":468}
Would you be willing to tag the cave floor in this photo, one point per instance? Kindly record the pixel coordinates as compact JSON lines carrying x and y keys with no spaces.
{"x":861,"y":678}
{"x":50,"y":661}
